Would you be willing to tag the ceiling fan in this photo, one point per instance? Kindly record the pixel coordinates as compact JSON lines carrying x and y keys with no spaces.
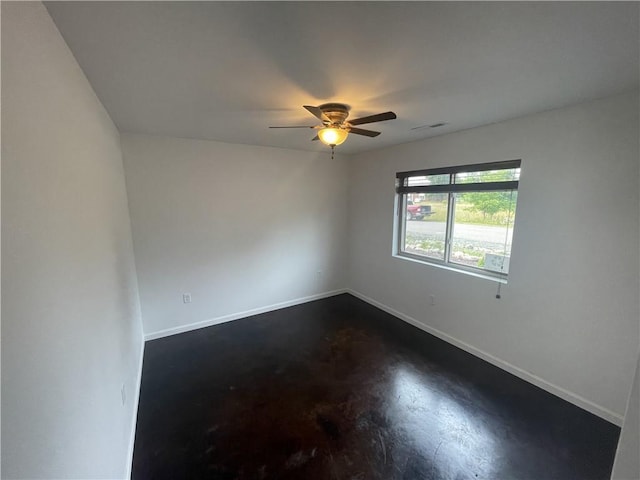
{"x":335,"y":128}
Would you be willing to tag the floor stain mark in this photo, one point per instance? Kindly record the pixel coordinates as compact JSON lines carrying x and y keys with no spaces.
{"x":384,"y":448}
{"x":328,"y":426}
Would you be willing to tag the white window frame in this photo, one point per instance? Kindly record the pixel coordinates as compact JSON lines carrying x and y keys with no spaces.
{"x":403,"y":189}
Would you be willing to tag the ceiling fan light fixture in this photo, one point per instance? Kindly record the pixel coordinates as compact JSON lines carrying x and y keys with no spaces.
{"x":333,"y":136}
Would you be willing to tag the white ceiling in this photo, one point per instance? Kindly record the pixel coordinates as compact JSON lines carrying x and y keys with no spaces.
{"x":227,"y":70}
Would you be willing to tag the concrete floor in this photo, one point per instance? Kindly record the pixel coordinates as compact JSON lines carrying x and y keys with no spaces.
{"x":337,"y":389}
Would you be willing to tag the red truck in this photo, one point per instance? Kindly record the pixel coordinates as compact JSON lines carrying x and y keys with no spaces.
{"x":417,"y":212}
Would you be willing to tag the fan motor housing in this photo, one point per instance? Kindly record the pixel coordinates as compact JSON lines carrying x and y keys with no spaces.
{"x":336,"y":112}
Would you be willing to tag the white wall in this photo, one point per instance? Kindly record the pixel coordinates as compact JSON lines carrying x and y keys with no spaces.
{"x":627,"y":463}
{"x":71,"y":330}
{"x":569,"y":314}
{"x":239,"y":227}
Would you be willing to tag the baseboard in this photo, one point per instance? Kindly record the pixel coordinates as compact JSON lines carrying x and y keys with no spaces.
{"x":134,"y":420}
{"x":235,"y":316}
{"x":571,"y":397}
{"x":627,"y":424}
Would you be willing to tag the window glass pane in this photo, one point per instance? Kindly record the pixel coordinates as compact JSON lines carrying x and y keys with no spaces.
{"x":488,"y":176}
{"x":423,"y":180}
{"x":425,"y":221}
{"x":483,"y":229}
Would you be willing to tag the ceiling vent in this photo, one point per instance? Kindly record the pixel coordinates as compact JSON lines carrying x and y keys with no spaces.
{"x":433,"y":125}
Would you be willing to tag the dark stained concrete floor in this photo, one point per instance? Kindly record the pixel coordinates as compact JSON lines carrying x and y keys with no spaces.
{"x":337,"y":389}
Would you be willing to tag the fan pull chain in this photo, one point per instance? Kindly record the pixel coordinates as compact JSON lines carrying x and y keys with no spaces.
{"x":332,"y":151}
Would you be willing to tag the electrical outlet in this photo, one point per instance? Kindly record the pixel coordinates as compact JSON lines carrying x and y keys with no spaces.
{"x":123,"y":394}
{"x":186,"y":298}
{"x":432,"y":300}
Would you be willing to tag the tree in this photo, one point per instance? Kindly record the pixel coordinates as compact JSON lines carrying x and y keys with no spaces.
{"x":490,"y":203}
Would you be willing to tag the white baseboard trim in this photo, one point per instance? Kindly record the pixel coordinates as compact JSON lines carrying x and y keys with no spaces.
{"x":235,"y":316}
{"x":571,"y":397}
{"x":134,"y":419}
{"x":627,"y":424}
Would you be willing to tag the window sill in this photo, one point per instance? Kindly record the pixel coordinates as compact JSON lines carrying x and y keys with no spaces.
{"x":454,"y":268}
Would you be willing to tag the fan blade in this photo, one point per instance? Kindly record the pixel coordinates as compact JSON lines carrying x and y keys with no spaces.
{"x":315,"y":138}
{"x":316,"y":112}
{"x":296,"y":126}
{"x":380,"y":117}
{"x":362,"y":131}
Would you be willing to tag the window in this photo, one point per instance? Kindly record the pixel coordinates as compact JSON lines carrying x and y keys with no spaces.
{"x":460,"y":217}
